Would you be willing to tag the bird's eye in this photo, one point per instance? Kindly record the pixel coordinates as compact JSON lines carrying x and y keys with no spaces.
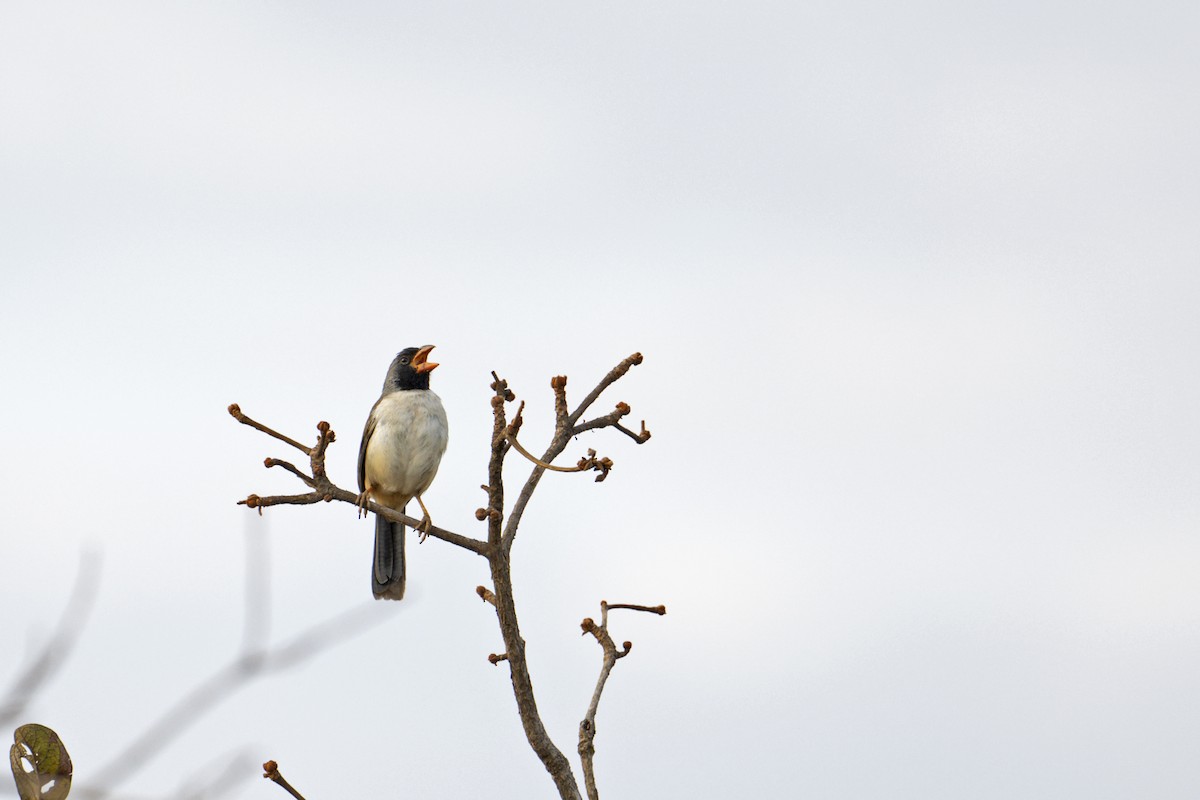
{"x":404,"y":361}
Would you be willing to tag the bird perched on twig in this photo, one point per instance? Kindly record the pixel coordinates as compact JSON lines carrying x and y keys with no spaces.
{"x":402,"y":446}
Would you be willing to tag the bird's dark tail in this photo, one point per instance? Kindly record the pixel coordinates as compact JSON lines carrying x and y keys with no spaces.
{"x":387,"y":574}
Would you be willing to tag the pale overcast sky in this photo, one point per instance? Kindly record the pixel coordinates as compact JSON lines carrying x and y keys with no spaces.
{"x":917,"y":287}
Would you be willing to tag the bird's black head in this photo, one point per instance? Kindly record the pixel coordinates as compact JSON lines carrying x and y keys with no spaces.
{"x":409,"y":370}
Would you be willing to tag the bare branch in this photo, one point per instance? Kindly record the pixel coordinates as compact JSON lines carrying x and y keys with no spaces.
{"x":659,"y":609}
{"x":271,"y":771}
{"x":254,"y":501}
{"x":498,"y":547}
{"x":275,"y":462}
{"x":614,"y":375}
{"x":237,"y":414}
{"x":562,"y":436}
{"x":325,"y":491}
{"x":559,"y":386}
{"x":602,"y":465}
{"x":587,"y":727}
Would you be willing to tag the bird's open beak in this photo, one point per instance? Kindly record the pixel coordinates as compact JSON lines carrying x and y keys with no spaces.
{"x":419,"y":362}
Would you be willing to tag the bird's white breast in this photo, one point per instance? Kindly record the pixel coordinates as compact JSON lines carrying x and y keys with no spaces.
{"x":406,"y":447}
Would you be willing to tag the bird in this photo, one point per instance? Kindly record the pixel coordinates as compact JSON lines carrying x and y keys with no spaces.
{"x":402,"y":446}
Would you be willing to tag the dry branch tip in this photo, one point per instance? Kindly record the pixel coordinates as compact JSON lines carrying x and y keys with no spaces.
{"x":485,"y":594}
{"x":271,"y":772}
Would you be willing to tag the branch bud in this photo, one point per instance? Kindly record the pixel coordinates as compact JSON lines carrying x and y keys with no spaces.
{"x":481,"y":514}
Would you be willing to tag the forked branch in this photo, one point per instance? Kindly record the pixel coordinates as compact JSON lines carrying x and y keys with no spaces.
{"x":325,"y":491}
{"x":501,"y":535}
{"x":587,"y":727}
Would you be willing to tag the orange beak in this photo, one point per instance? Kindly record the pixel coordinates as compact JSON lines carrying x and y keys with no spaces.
{"x":419,"y":362}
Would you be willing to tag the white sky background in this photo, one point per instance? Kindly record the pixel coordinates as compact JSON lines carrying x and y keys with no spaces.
{"x":918,"y":291}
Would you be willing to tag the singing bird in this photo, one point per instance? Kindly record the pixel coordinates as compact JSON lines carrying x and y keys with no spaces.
{"x":402,"y":446}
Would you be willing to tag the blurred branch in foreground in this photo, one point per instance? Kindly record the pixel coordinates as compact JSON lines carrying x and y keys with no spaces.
{"x":55,"y":652}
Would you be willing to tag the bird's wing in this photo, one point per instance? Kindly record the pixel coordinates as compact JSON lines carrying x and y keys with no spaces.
{"x":368,"y":429}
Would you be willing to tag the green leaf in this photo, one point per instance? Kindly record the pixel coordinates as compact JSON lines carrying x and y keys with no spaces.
{"x":49,"y":773}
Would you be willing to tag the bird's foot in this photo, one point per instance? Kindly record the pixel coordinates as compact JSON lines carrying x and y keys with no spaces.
{"x":363,"y":500}
{"x":426,"y":524}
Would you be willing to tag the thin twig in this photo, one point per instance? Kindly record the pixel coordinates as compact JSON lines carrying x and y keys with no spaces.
{"x":271,"y":771}
{"x":513,"y":440}
{"x":275,"y":462}
{"x":562,"y":435}
{"x":613,"y":420}
{"x":614,"y":375}
{"x":587,"y":464}
{"x":237,"y":414}
{"x":587,"y":727}
{"x":659,"y":609}
{"x":325,"y":491}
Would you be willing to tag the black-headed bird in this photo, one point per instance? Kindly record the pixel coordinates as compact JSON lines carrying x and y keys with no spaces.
{"x":402,"y":446}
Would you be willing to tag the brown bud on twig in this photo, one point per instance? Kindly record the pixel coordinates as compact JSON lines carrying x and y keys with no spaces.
{"x":558,"y":382}
{"x":588,"y":625}
{"x":496,"y":659}
{"x":271,"y":772}
{"x":481,"y":514}
{"x":485,"y":594}
{"x":624,"y":408}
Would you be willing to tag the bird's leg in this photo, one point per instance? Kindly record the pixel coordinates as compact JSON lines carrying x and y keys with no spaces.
{"x":426,"y":522}
{"x":363,"y":500}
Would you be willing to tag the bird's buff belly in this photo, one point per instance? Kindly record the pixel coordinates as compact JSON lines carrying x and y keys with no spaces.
{"x":401,"y":464}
